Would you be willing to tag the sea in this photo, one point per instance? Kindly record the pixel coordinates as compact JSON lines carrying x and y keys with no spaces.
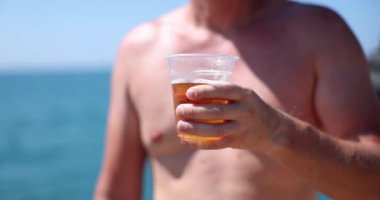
{"x":52,"y":128}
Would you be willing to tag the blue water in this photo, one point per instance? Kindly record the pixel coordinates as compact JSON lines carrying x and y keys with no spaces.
{"x":52,"y":130}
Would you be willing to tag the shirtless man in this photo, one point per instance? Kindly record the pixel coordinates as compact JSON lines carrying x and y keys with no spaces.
{"x":293,"y":56}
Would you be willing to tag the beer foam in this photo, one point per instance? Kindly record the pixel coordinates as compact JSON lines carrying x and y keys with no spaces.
{"x":204,"y":72}
{"x":211,"y":72}
{"x":203,"y":81}
{"x":201,"y":76}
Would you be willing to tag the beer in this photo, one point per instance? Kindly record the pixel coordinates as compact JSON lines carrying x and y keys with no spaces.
{"x":179,"y":94}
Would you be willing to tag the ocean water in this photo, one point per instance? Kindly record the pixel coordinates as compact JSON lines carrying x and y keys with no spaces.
{"x":52,"y":132}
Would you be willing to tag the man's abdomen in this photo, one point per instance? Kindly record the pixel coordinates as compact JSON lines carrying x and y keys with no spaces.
{"x":228,"y":174}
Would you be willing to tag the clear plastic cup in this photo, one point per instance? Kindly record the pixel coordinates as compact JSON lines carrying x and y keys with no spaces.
{"x":187,"y":70}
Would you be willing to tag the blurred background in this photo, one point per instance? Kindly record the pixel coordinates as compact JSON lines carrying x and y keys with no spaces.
{"x":55,"y":63}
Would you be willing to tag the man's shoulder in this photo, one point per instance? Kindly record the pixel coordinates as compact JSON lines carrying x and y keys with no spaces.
{"x":149,"y":34}
{"x":314,"y":17}
{"x":141,"y":37}
{"x":315,"y":26}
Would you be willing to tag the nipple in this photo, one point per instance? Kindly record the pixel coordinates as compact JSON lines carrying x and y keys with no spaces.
{"x":157,"y":137}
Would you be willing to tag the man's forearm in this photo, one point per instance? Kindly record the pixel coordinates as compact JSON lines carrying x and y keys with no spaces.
{"x":340,"y":168}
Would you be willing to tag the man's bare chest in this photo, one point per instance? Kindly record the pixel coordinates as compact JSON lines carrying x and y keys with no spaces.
{"x":282,"y":86}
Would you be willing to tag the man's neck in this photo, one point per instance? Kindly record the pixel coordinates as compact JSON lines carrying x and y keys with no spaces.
{"x":223,"y":15}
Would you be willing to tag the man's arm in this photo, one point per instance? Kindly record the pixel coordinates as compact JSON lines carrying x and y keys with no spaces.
{"x":340,"y":168}
{"x":344,"y":101}
{"x":347,"y":107}
{"x":121,"y":174}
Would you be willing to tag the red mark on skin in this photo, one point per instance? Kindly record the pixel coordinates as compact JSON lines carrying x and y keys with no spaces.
{"x":157,"y":137}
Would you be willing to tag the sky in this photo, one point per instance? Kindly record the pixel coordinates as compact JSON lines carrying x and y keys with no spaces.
{"x":60,"y":34}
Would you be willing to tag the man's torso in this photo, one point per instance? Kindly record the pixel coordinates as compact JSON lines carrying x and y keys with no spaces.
{"x":273,"y":63}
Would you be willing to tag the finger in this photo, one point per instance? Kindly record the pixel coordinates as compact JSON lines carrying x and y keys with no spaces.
{"x":206,"y":130}
{"x":227,"y":91}
{"x":210,"y":111}
{"x":223,"y":142}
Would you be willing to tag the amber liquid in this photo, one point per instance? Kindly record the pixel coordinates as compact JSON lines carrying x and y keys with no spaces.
{"x":179,"y":93}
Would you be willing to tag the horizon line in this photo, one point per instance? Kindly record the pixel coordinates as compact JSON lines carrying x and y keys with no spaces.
{"x":46,"y":68}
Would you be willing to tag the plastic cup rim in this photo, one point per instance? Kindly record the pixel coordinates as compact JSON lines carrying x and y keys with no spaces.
{"x":202,"y":55}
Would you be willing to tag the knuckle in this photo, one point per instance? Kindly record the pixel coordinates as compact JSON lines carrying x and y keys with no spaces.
{"x":201,"y":91}
{"x":229,"y":87}
{"x":186,"y":110}
{"x":248,"y":93}
{"x":191,"y":111}
{"x":218,"y":110}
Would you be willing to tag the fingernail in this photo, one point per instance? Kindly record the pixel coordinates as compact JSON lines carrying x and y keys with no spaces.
{"x":180,"y":110}
{"x":182,"y":126}
{"x":190,"y":93}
